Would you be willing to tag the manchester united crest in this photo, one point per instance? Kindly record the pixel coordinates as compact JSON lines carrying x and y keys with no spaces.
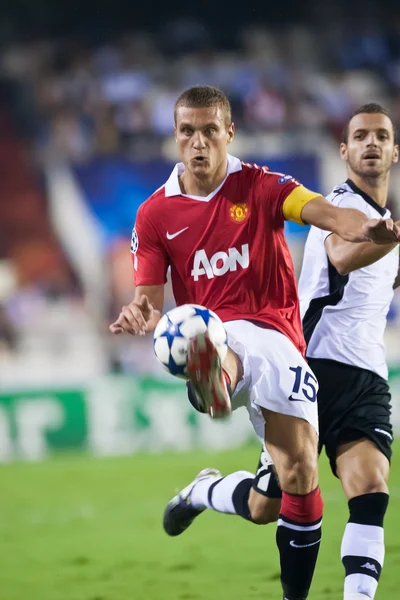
{"x":239,"y":212}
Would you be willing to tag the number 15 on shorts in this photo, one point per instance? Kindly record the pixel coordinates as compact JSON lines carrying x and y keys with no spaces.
{"x":305,"y":385}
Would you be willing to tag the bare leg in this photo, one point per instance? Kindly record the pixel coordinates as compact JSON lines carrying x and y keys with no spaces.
{"x":293,"y":445}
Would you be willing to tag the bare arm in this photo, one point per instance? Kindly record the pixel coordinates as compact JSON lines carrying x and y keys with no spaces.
{"x":348,"y":223}
{"x":143,"y":313}
{"x":155,"y":294}
{"x":347,"y":257}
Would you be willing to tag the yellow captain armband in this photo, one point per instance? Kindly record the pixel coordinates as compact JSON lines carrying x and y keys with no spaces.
{"x":295,"y":202}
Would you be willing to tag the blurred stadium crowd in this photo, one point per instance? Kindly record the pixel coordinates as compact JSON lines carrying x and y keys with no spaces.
{"x":68,"y":104}
{"x":82,"y":99}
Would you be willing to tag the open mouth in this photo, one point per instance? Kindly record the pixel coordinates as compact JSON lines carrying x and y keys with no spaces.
{"x":200,"y":159}
{"x":371,"y":156}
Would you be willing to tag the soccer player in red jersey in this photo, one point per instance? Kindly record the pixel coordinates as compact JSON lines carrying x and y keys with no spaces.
{"x":219,"y":224}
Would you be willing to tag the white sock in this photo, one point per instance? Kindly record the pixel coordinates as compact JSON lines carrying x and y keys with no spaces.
{"x":221,"y":498}
{"x":362,"y":552}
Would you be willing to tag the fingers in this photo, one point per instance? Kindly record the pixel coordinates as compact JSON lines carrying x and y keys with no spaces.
{"x":115,"y":328}
{"x":389,"y":224}
{"x":382,"y":231}
{"x":130,"y":320}
{"x":393,"y":228}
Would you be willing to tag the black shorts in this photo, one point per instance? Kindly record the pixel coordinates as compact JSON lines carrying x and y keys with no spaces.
{"x":353,"y":403}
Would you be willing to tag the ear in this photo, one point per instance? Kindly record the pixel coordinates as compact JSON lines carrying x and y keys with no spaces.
{"x":343,"y":151}
{"x":230,"y":133}
{"x":396,"y":154}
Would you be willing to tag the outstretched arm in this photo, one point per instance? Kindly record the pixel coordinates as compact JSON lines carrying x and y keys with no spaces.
{"x":142,"y":314}
{"x":348,"y":223}
{"x":347,"y":257}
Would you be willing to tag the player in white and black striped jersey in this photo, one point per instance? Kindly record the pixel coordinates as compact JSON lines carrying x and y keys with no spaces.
{"x":345,"y":293}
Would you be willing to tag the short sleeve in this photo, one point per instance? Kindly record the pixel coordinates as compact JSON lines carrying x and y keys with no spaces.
{"x":347,"y":200}
{"x":286,"y":196}
{"x":149,"y":257}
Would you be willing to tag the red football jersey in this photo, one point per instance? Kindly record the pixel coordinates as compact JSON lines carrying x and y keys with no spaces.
{"x":226,"y":251}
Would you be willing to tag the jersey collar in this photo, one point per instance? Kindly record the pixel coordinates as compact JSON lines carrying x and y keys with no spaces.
{"x":368,"y":199}
{"x":172,"y":187}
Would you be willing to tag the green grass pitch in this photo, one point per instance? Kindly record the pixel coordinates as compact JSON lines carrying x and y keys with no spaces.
{"x":79,"y":528}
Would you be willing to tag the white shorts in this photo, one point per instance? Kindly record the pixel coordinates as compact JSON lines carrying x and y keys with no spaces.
{"x":276,"y":376}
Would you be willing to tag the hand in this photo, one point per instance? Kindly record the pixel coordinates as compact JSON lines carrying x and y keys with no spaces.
{"x":382,"y":231}
{"x":136,"y":318}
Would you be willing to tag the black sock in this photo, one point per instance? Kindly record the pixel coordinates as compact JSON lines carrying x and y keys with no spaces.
{"x":363,"y":547}
{"x":298,"y":538}
{"x":240,"y":498}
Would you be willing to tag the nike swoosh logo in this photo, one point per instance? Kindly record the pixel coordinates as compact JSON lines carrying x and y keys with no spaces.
{"x":292,"y":543}
{"x":171,"y":236}
{"x":295,"y":399}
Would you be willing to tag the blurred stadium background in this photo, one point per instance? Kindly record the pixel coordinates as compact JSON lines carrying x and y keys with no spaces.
{"x":86,"y":116}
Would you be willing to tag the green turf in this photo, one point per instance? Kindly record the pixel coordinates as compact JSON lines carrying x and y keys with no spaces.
{"x":77,"y":528}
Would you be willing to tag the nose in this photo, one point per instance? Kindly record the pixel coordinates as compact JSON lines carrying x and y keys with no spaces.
{"x":371,"y":139}
{"x":198,"y":140}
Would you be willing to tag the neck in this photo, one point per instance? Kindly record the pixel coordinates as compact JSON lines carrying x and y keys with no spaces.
{"x":375,"y":187}
{"x":192,"y":185}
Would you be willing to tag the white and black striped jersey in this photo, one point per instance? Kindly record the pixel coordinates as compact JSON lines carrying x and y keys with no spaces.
{"x":344,"y":316}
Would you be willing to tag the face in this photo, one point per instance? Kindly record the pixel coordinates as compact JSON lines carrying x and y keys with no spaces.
{"x":202,"y":137}
{"x":370,"y":150}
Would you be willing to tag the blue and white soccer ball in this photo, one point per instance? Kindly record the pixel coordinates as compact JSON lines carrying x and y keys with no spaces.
{"x":177,"y":326}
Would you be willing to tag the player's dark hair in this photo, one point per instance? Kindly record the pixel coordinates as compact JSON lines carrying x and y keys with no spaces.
{"x":205,"y":96}
{"x":370,"y":109}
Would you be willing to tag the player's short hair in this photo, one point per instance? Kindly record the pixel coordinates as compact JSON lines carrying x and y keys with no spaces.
{"x":205,"y":96}
{"x":370,"y":109}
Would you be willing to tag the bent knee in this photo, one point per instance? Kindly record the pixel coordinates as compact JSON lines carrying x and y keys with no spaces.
{"x":264,"y":510}
{"x":374,"y":487}
{"x":375,"y":481}
{"x":362,"y":468}
{"x":367,"y":483}
{"x":300,"y":475}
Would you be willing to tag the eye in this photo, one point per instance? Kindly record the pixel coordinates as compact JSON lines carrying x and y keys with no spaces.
{"x":210,"y":130}
{"x":186,"y":131}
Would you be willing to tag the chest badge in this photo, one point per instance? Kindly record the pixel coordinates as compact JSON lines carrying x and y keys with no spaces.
{"x":239,"y":212}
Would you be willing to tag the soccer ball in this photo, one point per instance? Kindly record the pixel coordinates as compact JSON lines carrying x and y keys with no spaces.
{"x":177,"y":326}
